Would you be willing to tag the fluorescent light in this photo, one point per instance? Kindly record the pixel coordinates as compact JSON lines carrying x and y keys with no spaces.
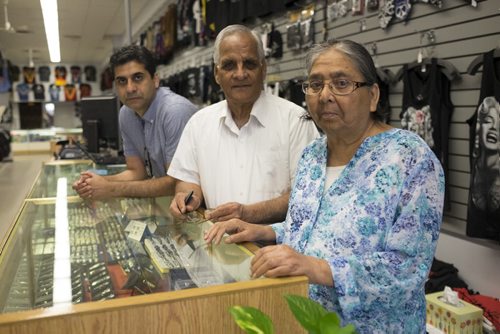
{"x":51,"y":23}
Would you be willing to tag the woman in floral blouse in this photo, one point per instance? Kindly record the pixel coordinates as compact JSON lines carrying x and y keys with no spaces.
{"x":365,"y":210}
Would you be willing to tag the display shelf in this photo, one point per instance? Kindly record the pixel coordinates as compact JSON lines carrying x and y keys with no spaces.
{"x":40,"y":140}
{"x":67,"y":261}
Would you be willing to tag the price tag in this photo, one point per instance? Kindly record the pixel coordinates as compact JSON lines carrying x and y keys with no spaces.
{"x":135,"y":229}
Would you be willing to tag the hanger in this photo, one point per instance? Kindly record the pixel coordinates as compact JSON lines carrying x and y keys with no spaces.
{"x":385,"y":75}
{"x":478,"y":62}
{"x":447,"y":68}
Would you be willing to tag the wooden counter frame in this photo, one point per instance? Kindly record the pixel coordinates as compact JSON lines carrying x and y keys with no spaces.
{"x":200,"y":310}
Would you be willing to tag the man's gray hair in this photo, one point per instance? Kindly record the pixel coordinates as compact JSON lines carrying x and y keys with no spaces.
{"x":234,"y":29}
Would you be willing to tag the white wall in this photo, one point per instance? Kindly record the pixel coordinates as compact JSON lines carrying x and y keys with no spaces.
{"x":478,"y":264}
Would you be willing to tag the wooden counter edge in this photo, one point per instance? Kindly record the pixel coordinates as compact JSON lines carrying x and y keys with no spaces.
{"x":155,"y":298}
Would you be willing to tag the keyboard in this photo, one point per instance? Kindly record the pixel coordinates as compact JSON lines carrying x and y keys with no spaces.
{"x":108,"y":159}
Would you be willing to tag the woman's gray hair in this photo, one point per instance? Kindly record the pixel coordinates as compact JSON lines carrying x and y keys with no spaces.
{"x":357,"y":53}
{"x":234,"y":29}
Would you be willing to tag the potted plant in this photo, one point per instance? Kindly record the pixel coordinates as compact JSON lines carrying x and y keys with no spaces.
{"x":311,"y":315}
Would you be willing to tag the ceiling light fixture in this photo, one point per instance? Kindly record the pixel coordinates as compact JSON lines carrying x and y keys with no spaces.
{"x":51,"y":23}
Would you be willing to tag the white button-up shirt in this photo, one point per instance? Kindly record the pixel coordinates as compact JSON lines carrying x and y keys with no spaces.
{"x":247,"y":165}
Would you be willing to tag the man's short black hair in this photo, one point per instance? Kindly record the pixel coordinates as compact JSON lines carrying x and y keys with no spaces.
{"x":136,"y":53}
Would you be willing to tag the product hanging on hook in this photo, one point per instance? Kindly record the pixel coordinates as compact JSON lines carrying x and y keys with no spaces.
{"x":477,"y":63}
{"x":426,"y":58}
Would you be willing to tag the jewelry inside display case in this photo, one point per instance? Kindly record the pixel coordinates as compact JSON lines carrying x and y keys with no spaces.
{"x":64,"y":252}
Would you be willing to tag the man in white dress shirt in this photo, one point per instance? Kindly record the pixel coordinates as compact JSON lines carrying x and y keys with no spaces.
{"x":239,"y":156}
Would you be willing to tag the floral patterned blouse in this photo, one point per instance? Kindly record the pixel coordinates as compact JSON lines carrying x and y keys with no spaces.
{"x":377,"y":226}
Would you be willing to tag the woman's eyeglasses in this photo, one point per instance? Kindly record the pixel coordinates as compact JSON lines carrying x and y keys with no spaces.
{"x":336,"y":87}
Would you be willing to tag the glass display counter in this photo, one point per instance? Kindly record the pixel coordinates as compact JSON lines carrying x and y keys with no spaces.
{"x":64,"y":254}
{"x":46,"y":184}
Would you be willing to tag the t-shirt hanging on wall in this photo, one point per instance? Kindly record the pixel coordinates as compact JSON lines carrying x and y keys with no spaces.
{"x":85,"y":90}
{"x":5,"y":83}
{"x":54,"y":92}
{"x":76,"y":72}
{"x":44,"y":73}
{"x":483,"y":210}
{"x":70,"y":92}
{"x":427,"y":109}
{"x":60,"y":74}
{"x":29,"y":74}
{"x":39,"y":92}
{"x":23,"y":91}
{"x":90,"y":73}
{"x":384,"y":96}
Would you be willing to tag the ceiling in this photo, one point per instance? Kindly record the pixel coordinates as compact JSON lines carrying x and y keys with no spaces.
{"x":88,"y":29}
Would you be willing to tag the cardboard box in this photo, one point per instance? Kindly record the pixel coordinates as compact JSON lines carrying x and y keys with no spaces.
{"x":462,"y":319}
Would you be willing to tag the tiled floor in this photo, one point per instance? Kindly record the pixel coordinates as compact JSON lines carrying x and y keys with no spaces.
{"x":16,"y":179}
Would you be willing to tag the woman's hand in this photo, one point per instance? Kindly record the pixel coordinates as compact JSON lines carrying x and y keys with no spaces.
{"x":282,"y":260}
{"x":240,"y":231}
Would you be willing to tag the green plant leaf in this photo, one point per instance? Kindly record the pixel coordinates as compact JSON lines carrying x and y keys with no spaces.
{"x":307,"y":312}
{"x":329,"y":324}
{"x":252,"y":320}
{"x":348,"y":329}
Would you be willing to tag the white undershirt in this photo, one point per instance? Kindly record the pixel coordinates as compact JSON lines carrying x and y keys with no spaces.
{"x":332,"y":174}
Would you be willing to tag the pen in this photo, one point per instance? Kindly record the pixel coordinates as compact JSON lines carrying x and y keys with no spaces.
{"x":188,"y":197}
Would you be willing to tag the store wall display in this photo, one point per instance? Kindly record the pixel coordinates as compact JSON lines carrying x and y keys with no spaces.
{"x":46,"y":83}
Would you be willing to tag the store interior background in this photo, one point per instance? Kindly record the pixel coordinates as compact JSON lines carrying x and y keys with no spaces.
{"x":461,"y":33}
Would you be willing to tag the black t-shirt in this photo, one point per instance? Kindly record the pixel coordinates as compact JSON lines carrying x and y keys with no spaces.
{"x":384,"y":96}
{"x":217,"y":16}
{"x":483,"y":210}
{"x":427,"y":110}
{"x":44,"y":73}
{"x":39,"y":92}
{"x":14,"y":73}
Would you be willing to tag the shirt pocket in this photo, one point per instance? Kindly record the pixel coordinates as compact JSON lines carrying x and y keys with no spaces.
{"x":273,"y":171}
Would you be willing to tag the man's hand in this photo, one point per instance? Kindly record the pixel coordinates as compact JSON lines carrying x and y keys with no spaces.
{"x":178,"y":206}
{"x":225,"y":212}
{"x":81,"y":187}
{"x":240,"y":231}
{"x":93,"y":186}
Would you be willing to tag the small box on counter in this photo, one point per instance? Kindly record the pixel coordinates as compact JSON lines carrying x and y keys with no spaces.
{"x":464,"y":318}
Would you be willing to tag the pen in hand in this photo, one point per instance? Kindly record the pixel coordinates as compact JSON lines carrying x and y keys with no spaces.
{"x":188,"y":197}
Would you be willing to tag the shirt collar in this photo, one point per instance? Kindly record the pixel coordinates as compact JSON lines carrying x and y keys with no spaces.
{"x":150,"y":114}
{"x":260,"y":111}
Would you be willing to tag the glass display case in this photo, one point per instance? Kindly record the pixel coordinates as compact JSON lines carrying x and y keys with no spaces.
{"x":64,"y":252}
{"x":46,"y":185}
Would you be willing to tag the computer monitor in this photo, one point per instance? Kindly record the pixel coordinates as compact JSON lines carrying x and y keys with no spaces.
{"x":100,"y":122}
